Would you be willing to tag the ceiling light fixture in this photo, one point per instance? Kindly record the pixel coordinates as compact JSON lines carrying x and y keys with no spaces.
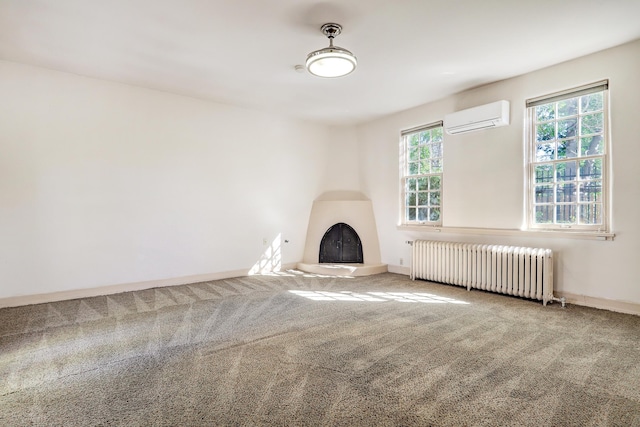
{"x":332,"y":61}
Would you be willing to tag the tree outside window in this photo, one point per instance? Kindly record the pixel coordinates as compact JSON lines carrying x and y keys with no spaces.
{"x":421,"y":175}
{"x":567,"y":159}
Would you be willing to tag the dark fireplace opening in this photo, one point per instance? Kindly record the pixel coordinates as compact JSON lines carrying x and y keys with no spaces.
{"x":341,"y":243}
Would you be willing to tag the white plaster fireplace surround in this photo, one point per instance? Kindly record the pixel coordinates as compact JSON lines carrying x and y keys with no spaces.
{"x":354,"y":209}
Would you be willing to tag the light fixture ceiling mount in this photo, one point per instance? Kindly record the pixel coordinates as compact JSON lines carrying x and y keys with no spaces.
{"x":332,"y":61}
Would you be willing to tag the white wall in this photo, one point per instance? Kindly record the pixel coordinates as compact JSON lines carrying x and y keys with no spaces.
{"x":343,"y":164}
{"x":484,"y":175}
{"x":104,"y":184}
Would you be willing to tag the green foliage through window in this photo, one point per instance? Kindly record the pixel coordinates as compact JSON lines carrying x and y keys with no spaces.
{"x":567,"y":162}
{"x":422,"y":175}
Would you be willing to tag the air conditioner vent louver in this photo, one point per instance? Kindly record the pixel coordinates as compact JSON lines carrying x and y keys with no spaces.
{"x":486,"y":116}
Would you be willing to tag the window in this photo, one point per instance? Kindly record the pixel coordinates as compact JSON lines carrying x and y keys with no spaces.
{"x":567,"y":159}
{"x":421,"y":175}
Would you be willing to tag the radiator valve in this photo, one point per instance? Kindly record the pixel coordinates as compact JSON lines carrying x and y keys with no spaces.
{"x":562,"y":301}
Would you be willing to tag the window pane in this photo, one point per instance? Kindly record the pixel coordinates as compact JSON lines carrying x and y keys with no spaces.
{"x":544,"y":193}
{"x":545,"y":132}
{"x":422,"y":183}
{"x":591,"y":123}
{"x":424,"y":152}
{"x":425,"y":166}
{"x":411,"y":184}
{"x":566,"y":171}
{"x":544,"y":173}
{"x":434,"y":182}
{"x":568,"y":107}
{"x":423,"y":199}
{"x":544,"y":214}
{"x":436,"y":165}
{"x":413,"y":168}
{"x":591,"y":145}
{"x":591,"y":191}
{"x":591,"y":169}
{"x":566,"y":214}
{"x":591,"y":213}
{"x":414,"y":140}
{"x":422,"y":214}
{"x":545,"y":151}
{"x":411,"y":199}
{"x":425,"y":137}
{"x":411,"y":214}
{"x":591,"y":102}
{"x":567,"y":128}
{"x":434,"y":214}
{"x":434,"y":198}
{"x":414,"y":153}
{"x":566,"y":193}
{"x":436,"y":150}
{"x":545,"y":112}
{"x":567,"y":149}
{"x":436,"y":134}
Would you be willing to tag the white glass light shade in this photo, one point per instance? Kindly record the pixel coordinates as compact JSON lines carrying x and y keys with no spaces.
{"x":331,"y":61}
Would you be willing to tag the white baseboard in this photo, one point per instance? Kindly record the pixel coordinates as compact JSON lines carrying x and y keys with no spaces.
{"x":601,"y":303}
{"x":124,"y":287}
{"x":399,"y":269}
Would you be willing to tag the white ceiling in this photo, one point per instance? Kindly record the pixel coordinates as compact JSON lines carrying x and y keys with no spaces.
{"x":243,"y":52}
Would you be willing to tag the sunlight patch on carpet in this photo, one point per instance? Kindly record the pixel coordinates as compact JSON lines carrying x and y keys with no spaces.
{"x":293,"y":273}
{"x":412,"y":297}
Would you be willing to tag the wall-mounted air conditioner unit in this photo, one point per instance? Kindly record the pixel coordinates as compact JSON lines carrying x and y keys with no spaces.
{"x":485,"y":116}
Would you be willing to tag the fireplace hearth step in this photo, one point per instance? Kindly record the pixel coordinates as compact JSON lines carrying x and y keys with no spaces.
{"x":341,"y":269}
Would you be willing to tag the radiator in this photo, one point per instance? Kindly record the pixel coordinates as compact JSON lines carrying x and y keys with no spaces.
{"x":511,"y":270}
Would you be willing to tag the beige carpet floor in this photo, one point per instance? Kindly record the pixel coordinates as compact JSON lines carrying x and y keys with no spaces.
{"x":292,"y":350}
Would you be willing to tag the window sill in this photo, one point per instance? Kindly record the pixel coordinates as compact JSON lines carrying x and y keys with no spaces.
{"x":559,"y":234}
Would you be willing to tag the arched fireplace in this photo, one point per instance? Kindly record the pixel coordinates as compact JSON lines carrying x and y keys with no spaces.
{"x":341,"y":243}
{"x":341,"y":212}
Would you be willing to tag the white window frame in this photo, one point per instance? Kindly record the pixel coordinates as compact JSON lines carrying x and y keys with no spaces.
{"x":406,"y":175}
{"x":532,"y":162}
